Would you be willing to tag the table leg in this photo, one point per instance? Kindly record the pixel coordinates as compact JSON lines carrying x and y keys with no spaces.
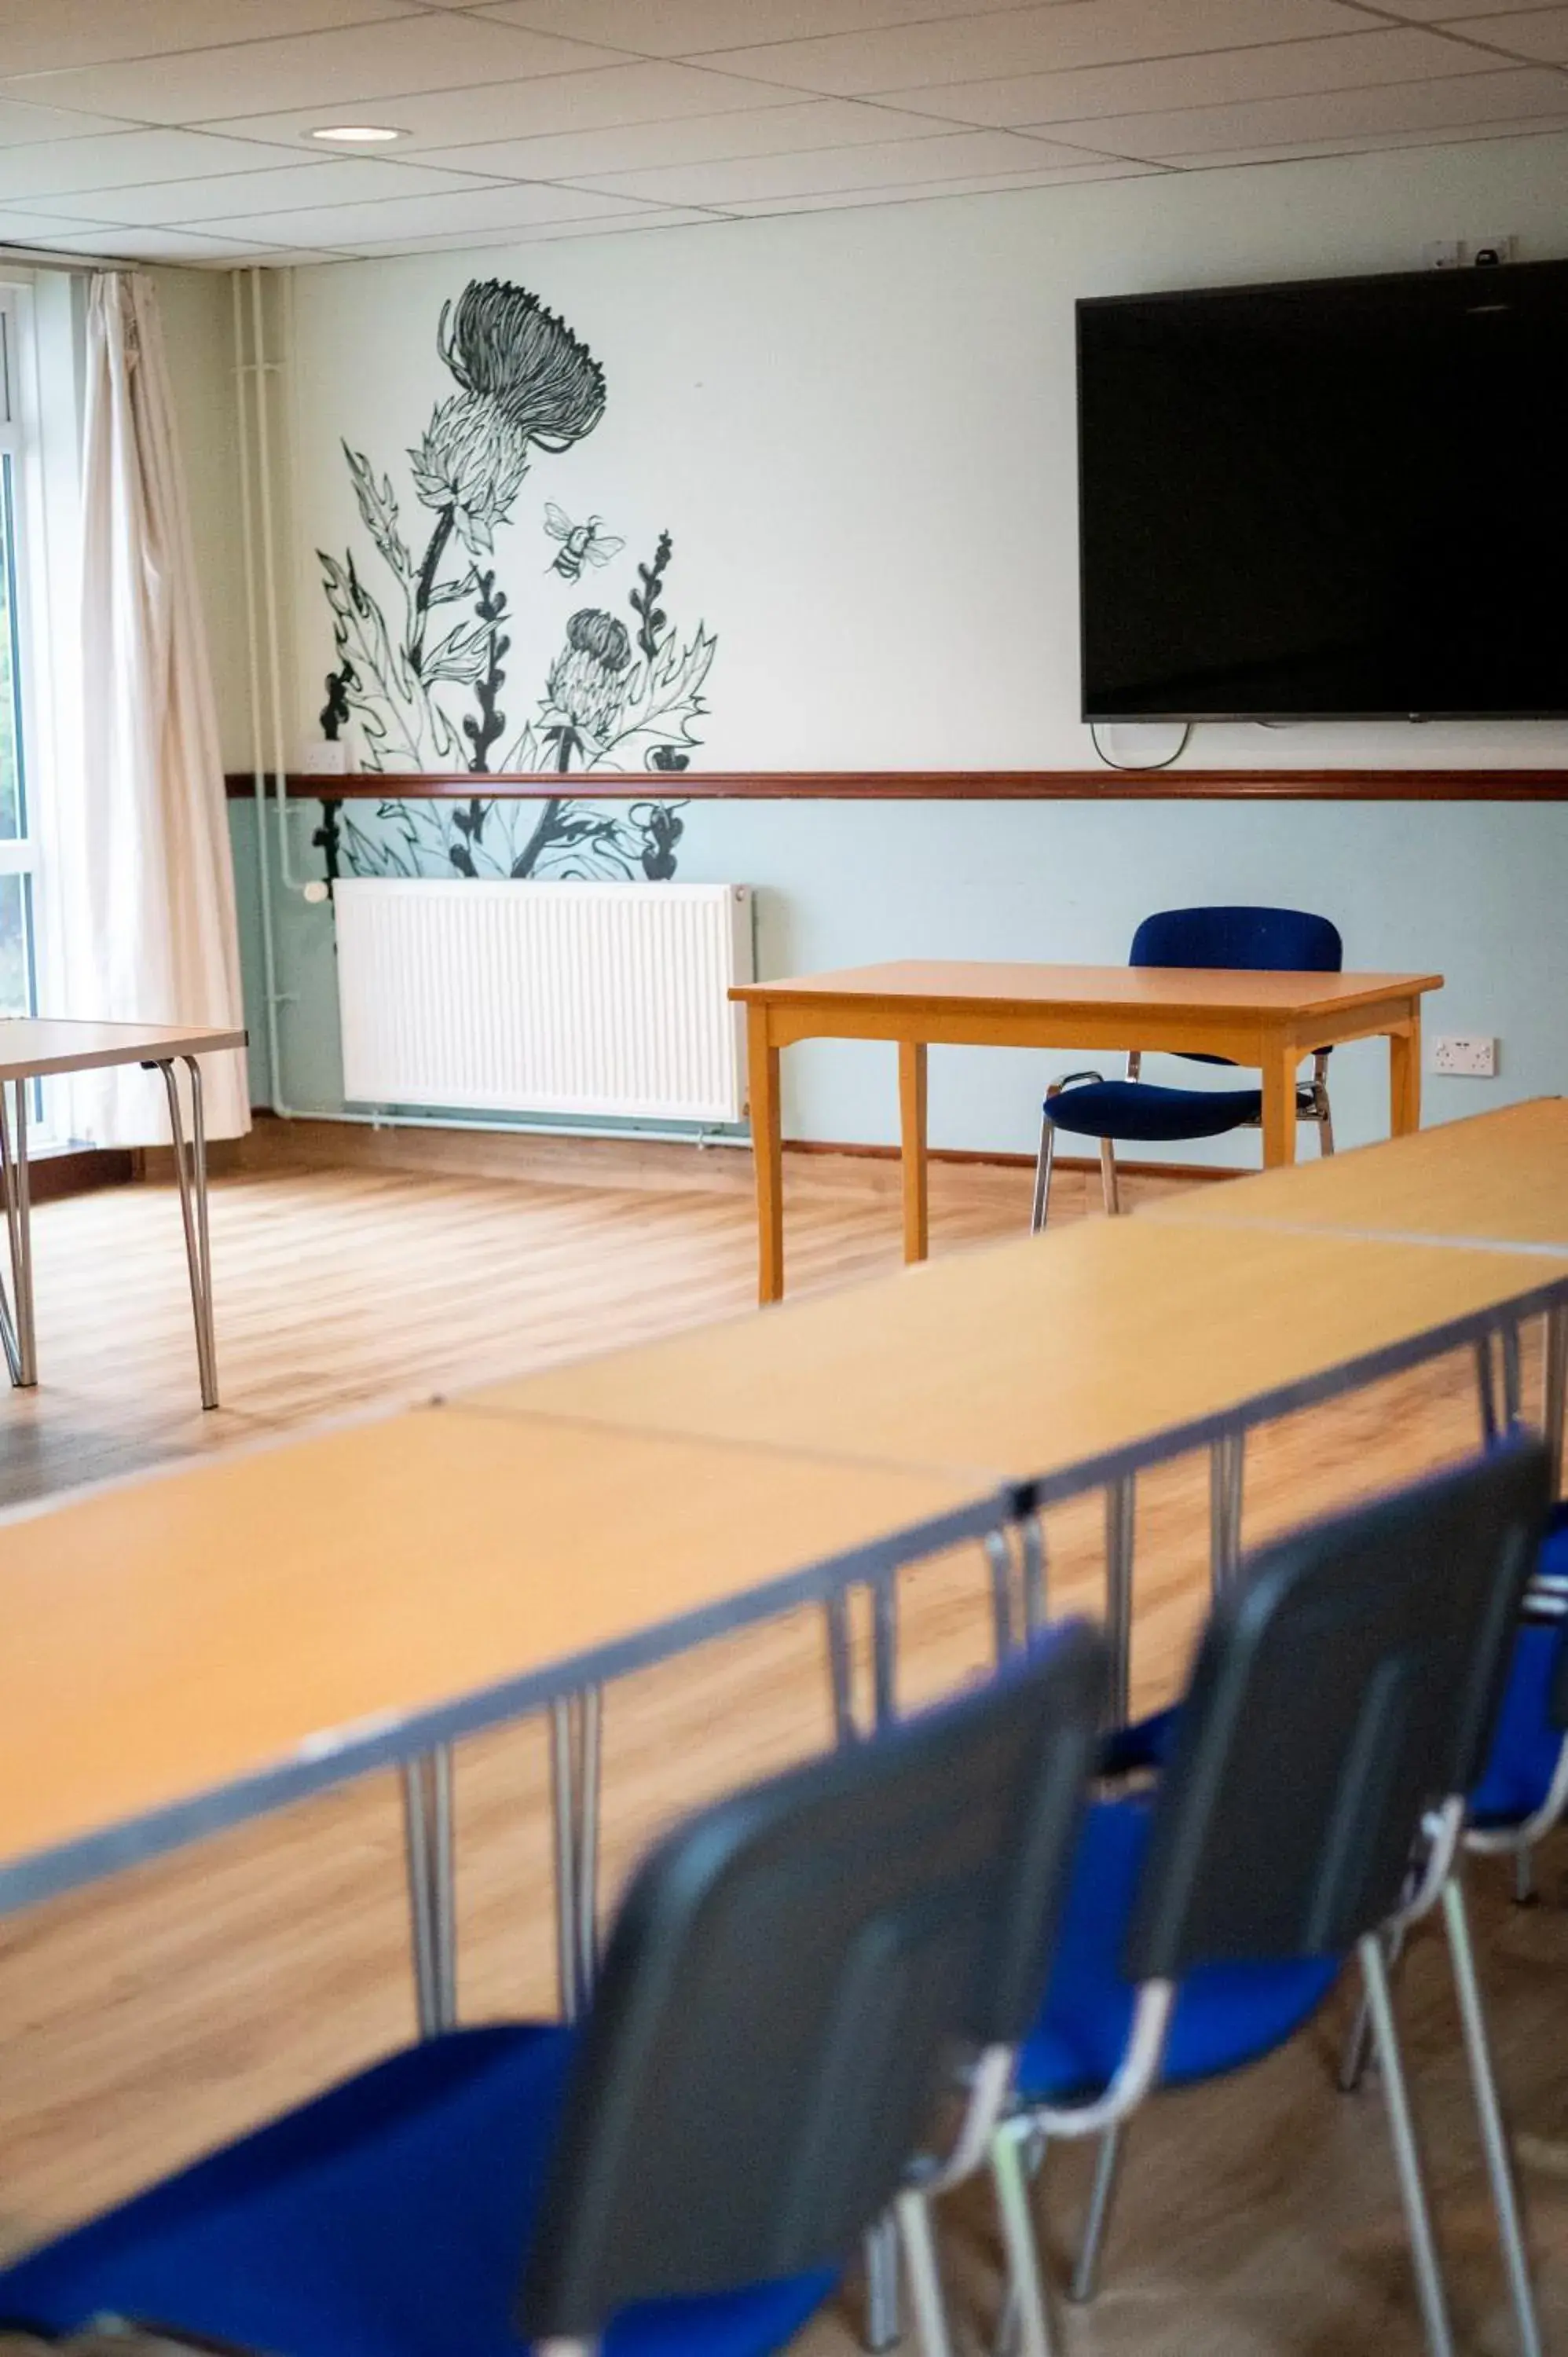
{"x":885,"y":1649}
{"x":841,"y":1665}
{"x":767,"y":1154}
{"x":999,"y":1563}
{"x":1556,"y":1392}
{"x":1279,"y":1106}
{"x":427,"y":1837}
{"x":575,"y":1731}
{"x":1226,"y":1461}
{"x":912,"y":1118}
{"x":590,"y":1732}
{"x":1405,"y":1079}
{"x":1120,"y":1499}
{"x":190,"y":1171}
{"x":17,"y":1329}
{"x":563,"y":1818}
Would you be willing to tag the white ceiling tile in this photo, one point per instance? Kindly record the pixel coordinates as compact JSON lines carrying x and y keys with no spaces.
{"x":18,"y":227}
{"x":676,"y":29}
{"x":989,"y":184}
{"x":644,"y":93}
{"x":1437,"y":12}
{"x":158,"y":245}
{"x":543,"y":233}
{"x":123,"y":160}
{"x":1375,"y":143}
{"x":38,"y":40}
{"x":280,"y":191}
{"x":27,"y":126}
{"x":1279,"y":121}
{"x":516,"y":206}
{"x":1035,"y":40}
{"x":894,"y":163}
{"x":322,"y":71}
{"x":1534,"y":33}
{"x":689,"y":139}
{"x":1344,"y":61}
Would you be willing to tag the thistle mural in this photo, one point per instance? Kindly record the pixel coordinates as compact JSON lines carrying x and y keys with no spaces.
{"x":422,"y":670}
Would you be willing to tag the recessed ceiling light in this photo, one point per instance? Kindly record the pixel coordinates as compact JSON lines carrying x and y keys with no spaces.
{"x":357,"y":134}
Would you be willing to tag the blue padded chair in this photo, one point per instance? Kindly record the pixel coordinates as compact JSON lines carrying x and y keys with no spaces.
{"x":1086,"y":1105}
{"x":1341,"y":1703}
{"x":683,"y":2174}
{"x":1523,"y":1793}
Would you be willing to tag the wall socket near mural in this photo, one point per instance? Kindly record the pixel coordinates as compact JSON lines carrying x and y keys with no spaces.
{"x":423,"y":665}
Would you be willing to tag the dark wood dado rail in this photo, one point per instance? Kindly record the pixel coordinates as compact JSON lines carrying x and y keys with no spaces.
{"x":937,"y":785}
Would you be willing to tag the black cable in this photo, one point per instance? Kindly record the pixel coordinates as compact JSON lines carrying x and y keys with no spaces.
{"x":1130,"y":768}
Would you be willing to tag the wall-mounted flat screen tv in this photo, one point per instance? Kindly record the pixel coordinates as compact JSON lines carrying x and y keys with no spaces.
{"x":1345,"y":499}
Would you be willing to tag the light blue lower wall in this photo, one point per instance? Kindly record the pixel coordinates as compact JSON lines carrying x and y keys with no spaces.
{"x":1475,"y":891}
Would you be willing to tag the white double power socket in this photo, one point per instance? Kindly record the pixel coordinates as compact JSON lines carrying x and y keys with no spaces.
{"x":1466,"y":1053}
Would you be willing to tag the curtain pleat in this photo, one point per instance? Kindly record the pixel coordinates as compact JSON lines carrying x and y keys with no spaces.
{"x":146,"y":886}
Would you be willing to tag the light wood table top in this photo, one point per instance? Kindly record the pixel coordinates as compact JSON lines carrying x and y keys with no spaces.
{"x":189,"y":1648}
{"x":983,"y":985}
{"x":1497,"y":1178}
{"x":33,"y":1046}
{"x":1061,"y":1359}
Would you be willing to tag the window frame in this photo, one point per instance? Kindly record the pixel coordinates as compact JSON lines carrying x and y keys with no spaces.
{"x":22,"y":439}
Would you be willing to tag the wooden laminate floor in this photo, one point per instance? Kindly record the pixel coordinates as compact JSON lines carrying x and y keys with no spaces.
{"x":143,"y":2018}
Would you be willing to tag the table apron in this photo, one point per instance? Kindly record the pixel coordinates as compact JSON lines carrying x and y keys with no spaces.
{"x":1246,"y":1037}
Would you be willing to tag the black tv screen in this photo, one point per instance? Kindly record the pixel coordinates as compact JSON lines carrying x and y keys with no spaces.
{"x":1344,"y":500}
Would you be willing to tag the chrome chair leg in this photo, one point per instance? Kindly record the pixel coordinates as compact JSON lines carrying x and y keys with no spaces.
{"x":880,"y":2245}
{"x":1027,"y":2320}
{"x":1044,"y":1161}
{"x":925,"y":2276}
{"x":1489,"y":2109}
{"x":1321,"y":1106}
{"x":1358,"y":2053}
{"x":1407,"y":2151}
{"x":1085,"y":2280}
{"x":1108,"y":1186}
{"x":1524,"y":1877}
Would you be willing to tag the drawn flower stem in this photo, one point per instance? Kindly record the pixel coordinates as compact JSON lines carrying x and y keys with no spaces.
{"x":544,"y":833}
{"x":427,"y":583}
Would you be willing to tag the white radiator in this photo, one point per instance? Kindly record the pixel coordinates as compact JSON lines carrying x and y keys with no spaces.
{"x":559,"y":998}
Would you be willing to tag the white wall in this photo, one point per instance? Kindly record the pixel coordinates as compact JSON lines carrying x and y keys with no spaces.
{"x":858,"y":427}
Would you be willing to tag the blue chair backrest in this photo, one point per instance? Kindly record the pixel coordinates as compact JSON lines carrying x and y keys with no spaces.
{"x":1281,"y":940}
{"x":784,"y":1979}
{"x":1348,"y":1680}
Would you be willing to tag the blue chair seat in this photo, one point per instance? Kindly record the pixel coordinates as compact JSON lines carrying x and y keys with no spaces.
{"x":1225,"y":2014}
{"x":1143,"y":1114}
{"x":387,"y":2218}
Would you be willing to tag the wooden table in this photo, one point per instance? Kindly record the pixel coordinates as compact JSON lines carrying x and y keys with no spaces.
{"x":1496,"y":1182}
{"x":34,"y":1048}
{"x":1268,"y":1021}
{"x":1061,"y":1363}
{"x":1499,"y":1179}
{"x":191,"y":1648}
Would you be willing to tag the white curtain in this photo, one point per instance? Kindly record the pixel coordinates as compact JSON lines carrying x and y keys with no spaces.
{"x":146,"y":887}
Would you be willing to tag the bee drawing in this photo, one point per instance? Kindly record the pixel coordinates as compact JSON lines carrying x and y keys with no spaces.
{"x":581,"y":544}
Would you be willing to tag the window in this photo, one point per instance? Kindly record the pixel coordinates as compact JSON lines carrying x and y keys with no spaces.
{"x":18,"y":976}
